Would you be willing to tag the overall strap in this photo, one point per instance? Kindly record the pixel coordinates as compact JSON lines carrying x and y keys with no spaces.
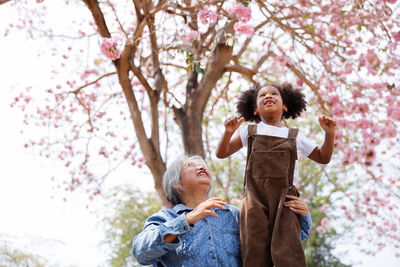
{"x":251,"y":131}
{"x":293,"y":133}
{"x":292,"y":137}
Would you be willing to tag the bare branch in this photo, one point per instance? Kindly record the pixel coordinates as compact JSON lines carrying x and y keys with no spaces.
{"x":246,"y":72}
{"x":248,"y":40}
{"x":380,"y":183}
{"x":303,"y":78}
{"x":117,"y":19}
{"x":95,"y":81}
{"x":98,"y":16}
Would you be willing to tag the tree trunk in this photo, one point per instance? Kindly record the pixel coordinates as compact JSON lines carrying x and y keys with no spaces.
{"x":191,"y":130}
{"x":190,"y":116}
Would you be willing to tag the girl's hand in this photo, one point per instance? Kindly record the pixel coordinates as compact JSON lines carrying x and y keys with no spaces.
{"x":297,"y":205}
{"x":327,"y":124}
{"x":204,"y":210}
{"x":231,"y":124}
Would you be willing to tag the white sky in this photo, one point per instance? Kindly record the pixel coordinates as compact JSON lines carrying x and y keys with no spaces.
{"x":65,"y":233}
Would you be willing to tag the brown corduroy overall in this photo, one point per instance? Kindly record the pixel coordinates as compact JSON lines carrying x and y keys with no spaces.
{"x":269,"y":231}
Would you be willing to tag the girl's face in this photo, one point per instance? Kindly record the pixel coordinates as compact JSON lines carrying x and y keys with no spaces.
{"x":269,"y":103}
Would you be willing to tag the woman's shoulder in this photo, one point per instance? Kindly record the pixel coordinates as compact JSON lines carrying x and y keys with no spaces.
{"x":232,"y":208}
{"x":163,"y":214}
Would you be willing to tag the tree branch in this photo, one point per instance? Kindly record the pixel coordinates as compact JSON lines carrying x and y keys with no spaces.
{"x":3,"y":1}
{"x":248,"y":40}
{"x":98,"y":17}
{"x":246,"y":72}
{"x":95,"y":81}
{"x":303,"y":78}
{"x":215,"y":68}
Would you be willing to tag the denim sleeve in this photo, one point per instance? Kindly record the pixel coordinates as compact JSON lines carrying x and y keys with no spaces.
{"x":305,"y":226}
{"x":149,"y":246}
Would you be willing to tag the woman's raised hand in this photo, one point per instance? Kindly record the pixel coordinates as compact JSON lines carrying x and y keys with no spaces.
{"x":204,"y":210}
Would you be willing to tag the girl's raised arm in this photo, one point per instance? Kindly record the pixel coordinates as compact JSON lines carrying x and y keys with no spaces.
{"x":230,"y":141}
{"x":324,"y":154}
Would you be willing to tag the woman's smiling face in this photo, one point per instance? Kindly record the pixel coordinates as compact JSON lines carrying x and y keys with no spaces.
{"x":194,"y":174}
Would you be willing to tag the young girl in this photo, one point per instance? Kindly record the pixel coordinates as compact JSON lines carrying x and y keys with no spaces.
{"x":269,"y":231}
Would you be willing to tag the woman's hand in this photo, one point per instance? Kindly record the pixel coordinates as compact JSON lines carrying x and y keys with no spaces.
{"x":231,"y":124}
{"x":204,"y":210}
{"x":297,"y":205}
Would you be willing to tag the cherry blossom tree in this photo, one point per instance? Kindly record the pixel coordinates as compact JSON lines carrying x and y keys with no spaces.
{"x":155,"y":65}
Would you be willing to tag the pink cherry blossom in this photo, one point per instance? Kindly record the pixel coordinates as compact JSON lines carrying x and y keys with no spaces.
{"x":351,"y":52}
{"x":244,"y":28}
{"x":207,"y":16}
{"x":389,"y":131}
{"x":324,"y":208}
{"x":242,"y":13}
{"x":320,"y":230}
{"x":394,"y":111}
{"x":337,"y":110}
{"x":396,"y":36}
{"x":135,"y":83}
{"x":372,"y":70}
{"x":86,"y":73}
{"x":326,"y":224}
{"x":109,"y":47}
{"x":192,"y":36}
{"x":299,"y":82}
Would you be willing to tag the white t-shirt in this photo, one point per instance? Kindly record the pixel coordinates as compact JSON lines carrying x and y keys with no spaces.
{"x":304,"y":145}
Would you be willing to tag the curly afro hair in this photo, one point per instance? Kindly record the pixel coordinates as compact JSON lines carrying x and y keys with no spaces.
{"x":293,"y":98}
{"x":247,"y":103}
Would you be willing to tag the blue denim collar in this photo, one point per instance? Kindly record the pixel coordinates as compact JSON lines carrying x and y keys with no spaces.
{"x":180,"y":208}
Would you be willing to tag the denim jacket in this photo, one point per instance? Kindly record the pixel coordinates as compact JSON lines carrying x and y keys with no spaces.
{"x":212,"y":241}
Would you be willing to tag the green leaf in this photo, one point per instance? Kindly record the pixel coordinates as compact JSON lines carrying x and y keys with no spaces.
{"x":199,"y":70}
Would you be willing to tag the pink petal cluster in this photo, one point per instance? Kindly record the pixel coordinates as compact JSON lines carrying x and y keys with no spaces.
{"x":244,"y":28}
{"x":192,"y":36}
{"x":88,"y":72}
{"x":326,"y":224}
{"x":396,"y":36}
{"x":320,"y":230}
{"x":242,"y":13}
{"x":394,"y":111}
{"x":324,"y":208}
{"x":207,"y":16}
{"x":109,"y":47}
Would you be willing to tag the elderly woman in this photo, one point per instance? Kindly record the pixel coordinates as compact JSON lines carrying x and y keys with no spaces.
{"x":197,"y":231}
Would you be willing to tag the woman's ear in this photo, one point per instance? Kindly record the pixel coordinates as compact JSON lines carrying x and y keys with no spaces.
{"x":284,"y":108}
{"x":177,"y":187}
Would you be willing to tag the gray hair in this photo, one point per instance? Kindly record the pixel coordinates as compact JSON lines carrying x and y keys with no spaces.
{"x":172,"y":175}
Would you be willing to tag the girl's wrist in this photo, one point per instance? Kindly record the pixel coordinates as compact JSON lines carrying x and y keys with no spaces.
{"x":330,"y":132}
{"x":229,"y":132}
